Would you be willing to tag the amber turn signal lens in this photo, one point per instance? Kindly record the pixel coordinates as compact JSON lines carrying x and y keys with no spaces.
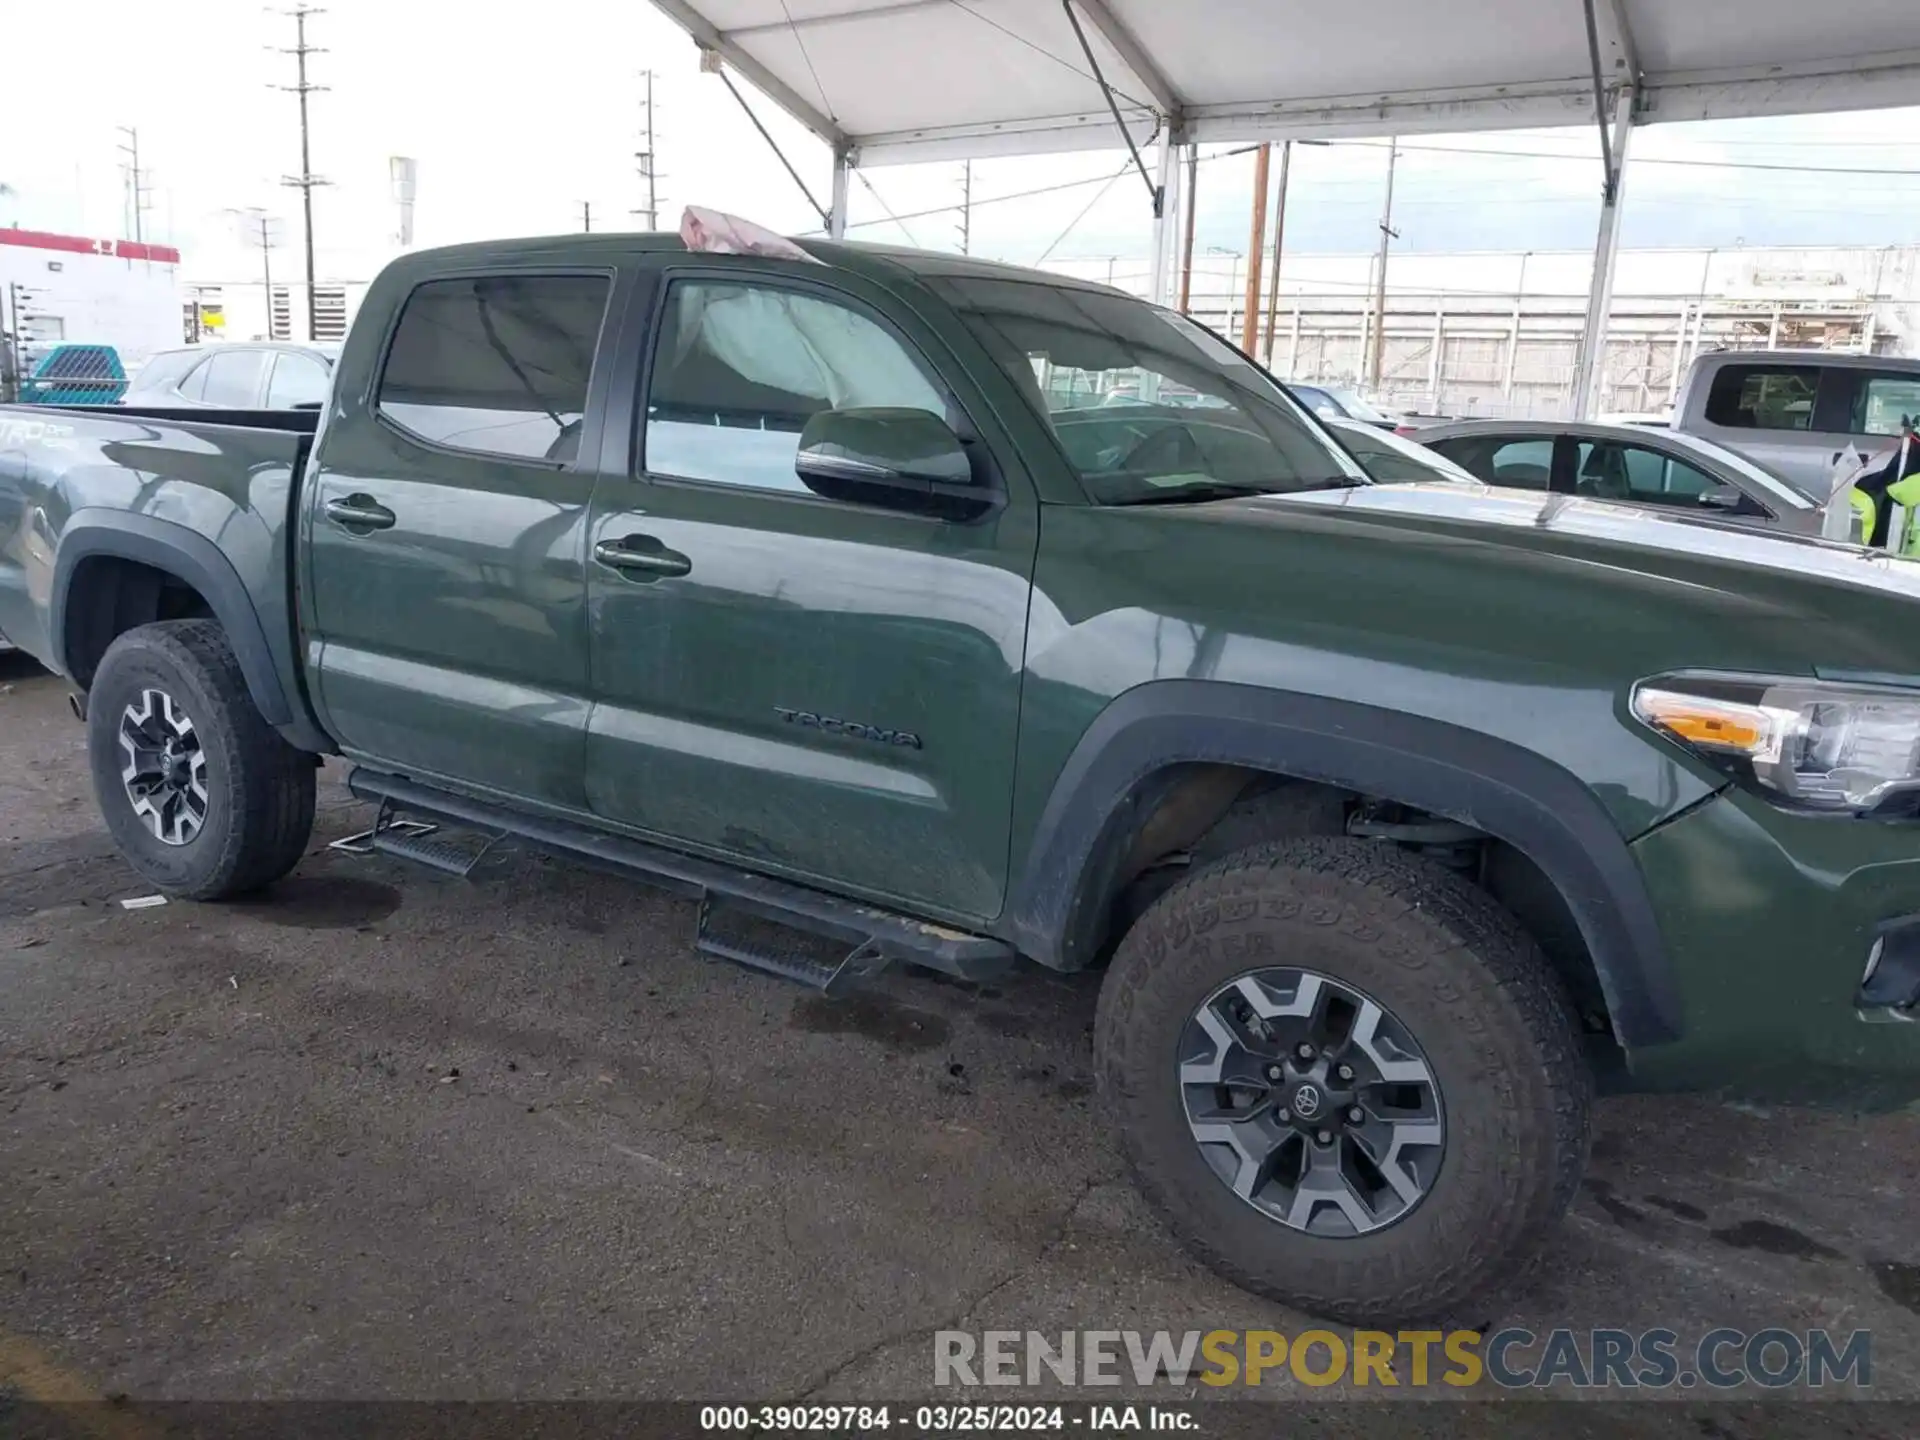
{"x":1711,"y":724}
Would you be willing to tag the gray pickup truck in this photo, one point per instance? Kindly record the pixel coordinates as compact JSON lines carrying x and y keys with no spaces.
{"x":1798,"y":411}
{"x":904,"y":608}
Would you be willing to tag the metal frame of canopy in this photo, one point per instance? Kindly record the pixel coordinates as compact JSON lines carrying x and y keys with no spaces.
{"x":1033,"y":76}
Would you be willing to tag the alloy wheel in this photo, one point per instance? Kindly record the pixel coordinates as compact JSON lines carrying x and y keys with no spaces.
{"x":165,"y":770}
{"x":1312,"y":1102}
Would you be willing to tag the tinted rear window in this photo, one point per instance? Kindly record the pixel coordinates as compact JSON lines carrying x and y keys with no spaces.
{"x":497,"y":364}
{"x":1764,"y":397}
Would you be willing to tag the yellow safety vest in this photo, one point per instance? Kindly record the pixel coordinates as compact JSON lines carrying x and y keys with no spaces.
{"x":1903,"y":517}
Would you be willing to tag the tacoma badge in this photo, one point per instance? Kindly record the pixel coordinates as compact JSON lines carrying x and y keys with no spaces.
{"x":858,"y":731}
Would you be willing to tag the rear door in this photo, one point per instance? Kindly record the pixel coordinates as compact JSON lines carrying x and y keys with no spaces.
{"x":446,"y":535}
{"x":806,"y":685}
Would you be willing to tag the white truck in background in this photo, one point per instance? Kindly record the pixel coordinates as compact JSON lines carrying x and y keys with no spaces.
{"x":1798,"y":412}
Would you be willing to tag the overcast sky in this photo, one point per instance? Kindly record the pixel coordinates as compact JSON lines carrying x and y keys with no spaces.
{"x":515,"y":124}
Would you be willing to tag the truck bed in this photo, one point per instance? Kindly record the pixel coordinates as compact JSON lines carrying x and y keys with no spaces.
{"x":90,"y":494}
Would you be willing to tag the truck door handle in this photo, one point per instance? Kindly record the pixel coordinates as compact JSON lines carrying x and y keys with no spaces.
{"x":359,"y":514}
{"x":641,"y":557}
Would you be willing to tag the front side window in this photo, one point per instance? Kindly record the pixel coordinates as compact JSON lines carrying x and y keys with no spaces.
{"x":497,"y":364}
{"x":1764,"y":397}
{"x":1884,"y":402}
{"x":740,"y":369}
{"x":1145,"y":404}
{"x":233,"y":378}
{"x":1606,"y":470}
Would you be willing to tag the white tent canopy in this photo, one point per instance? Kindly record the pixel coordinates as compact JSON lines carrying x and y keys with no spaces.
{"x":906,"y":80}
{"x":898,"y":81}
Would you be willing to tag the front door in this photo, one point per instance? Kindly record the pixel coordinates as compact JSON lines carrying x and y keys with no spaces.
{"x":805,"y":685}
{"x":446,"y":539}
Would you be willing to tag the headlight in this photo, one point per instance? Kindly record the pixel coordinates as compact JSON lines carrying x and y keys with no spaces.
{"x":1807,"y":744}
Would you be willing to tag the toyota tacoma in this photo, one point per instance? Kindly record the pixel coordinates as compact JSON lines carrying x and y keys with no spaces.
{"x":904,"y":608}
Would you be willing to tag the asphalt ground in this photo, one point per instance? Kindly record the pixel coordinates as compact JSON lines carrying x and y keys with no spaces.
{"x":384,"y":1134}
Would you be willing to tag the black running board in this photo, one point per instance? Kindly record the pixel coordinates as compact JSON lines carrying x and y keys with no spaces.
{"x":874,"y":937}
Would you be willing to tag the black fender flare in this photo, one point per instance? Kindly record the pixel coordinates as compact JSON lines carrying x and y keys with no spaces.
{"x":1057,"y":911}
{"x":188,"y":556}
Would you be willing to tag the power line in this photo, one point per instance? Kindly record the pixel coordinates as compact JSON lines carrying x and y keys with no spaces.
{"x":1054,"y":189}
{"x":1086,"y":210}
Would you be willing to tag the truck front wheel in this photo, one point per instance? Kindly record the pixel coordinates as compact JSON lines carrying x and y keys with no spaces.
{"x":1345,"y":1078}
{"x":200,"y":794}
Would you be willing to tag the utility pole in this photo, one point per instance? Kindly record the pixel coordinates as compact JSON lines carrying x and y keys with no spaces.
{"x":1256,"y":247}
{"x":306,"y":180}
{"x":266,"y":270}
{"x":1279,"y":247}
{"x":966,"y":207}
{"x":257,"y":226}
{"x":643,"y":158}
{"x":1186,"y":245}
{"x":586,"y":216}
{"x":137,"y":190}
{"x":1280,"y":240}
{"x":1387,"y":235}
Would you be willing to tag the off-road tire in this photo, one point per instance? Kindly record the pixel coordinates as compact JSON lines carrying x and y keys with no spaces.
{"x":1475,"y":993}
{"x":260,"y":789}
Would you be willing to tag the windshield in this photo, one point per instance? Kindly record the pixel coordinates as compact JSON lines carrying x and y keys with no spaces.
{"x":1391,"y":458}
{"x":1146,"y":405}
{"x":1761,"y":478}
{"x":1359,"y":409}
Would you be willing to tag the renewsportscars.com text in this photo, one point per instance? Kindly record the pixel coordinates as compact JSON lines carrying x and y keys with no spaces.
{"x":1512,"y":1358}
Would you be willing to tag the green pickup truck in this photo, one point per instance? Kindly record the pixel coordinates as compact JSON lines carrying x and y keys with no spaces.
{"x":904,"y":608}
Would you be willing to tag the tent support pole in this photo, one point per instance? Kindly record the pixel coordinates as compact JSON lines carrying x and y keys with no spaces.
{"x":1160,"y":282}
{"x":837,"y":208}
{"x":1590,"y":371}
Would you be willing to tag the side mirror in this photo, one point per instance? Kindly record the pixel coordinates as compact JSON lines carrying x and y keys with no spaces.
{"x":896,"y":459}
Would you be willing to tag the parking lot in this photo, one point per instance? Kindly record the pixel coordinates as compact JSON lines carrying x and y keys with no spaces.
{"x":389,"y":1134}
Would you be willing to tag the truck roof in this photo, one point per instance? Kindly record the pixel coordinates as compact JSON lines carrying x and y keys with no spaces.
{"x":1840,"y":359}
{"x":857,"y":256}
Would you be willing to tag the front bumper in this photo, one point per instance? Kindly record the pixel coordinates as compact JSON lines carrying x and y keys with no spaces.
{"x":1769,"y":920}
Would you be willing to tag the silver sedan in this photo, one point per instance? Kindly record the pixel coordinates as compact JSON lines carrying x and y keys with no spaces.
{"x":1630,"y":464}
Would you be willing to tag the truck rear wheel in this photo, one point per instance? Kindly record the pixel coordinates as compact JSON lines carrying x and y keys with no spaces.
{"x":204,"y":798}
{"x":1345,"y":1078}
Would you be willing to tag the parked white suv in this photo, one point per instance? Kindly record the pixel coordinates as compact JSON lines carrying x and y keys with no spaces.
{"x":1797,"y":411}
